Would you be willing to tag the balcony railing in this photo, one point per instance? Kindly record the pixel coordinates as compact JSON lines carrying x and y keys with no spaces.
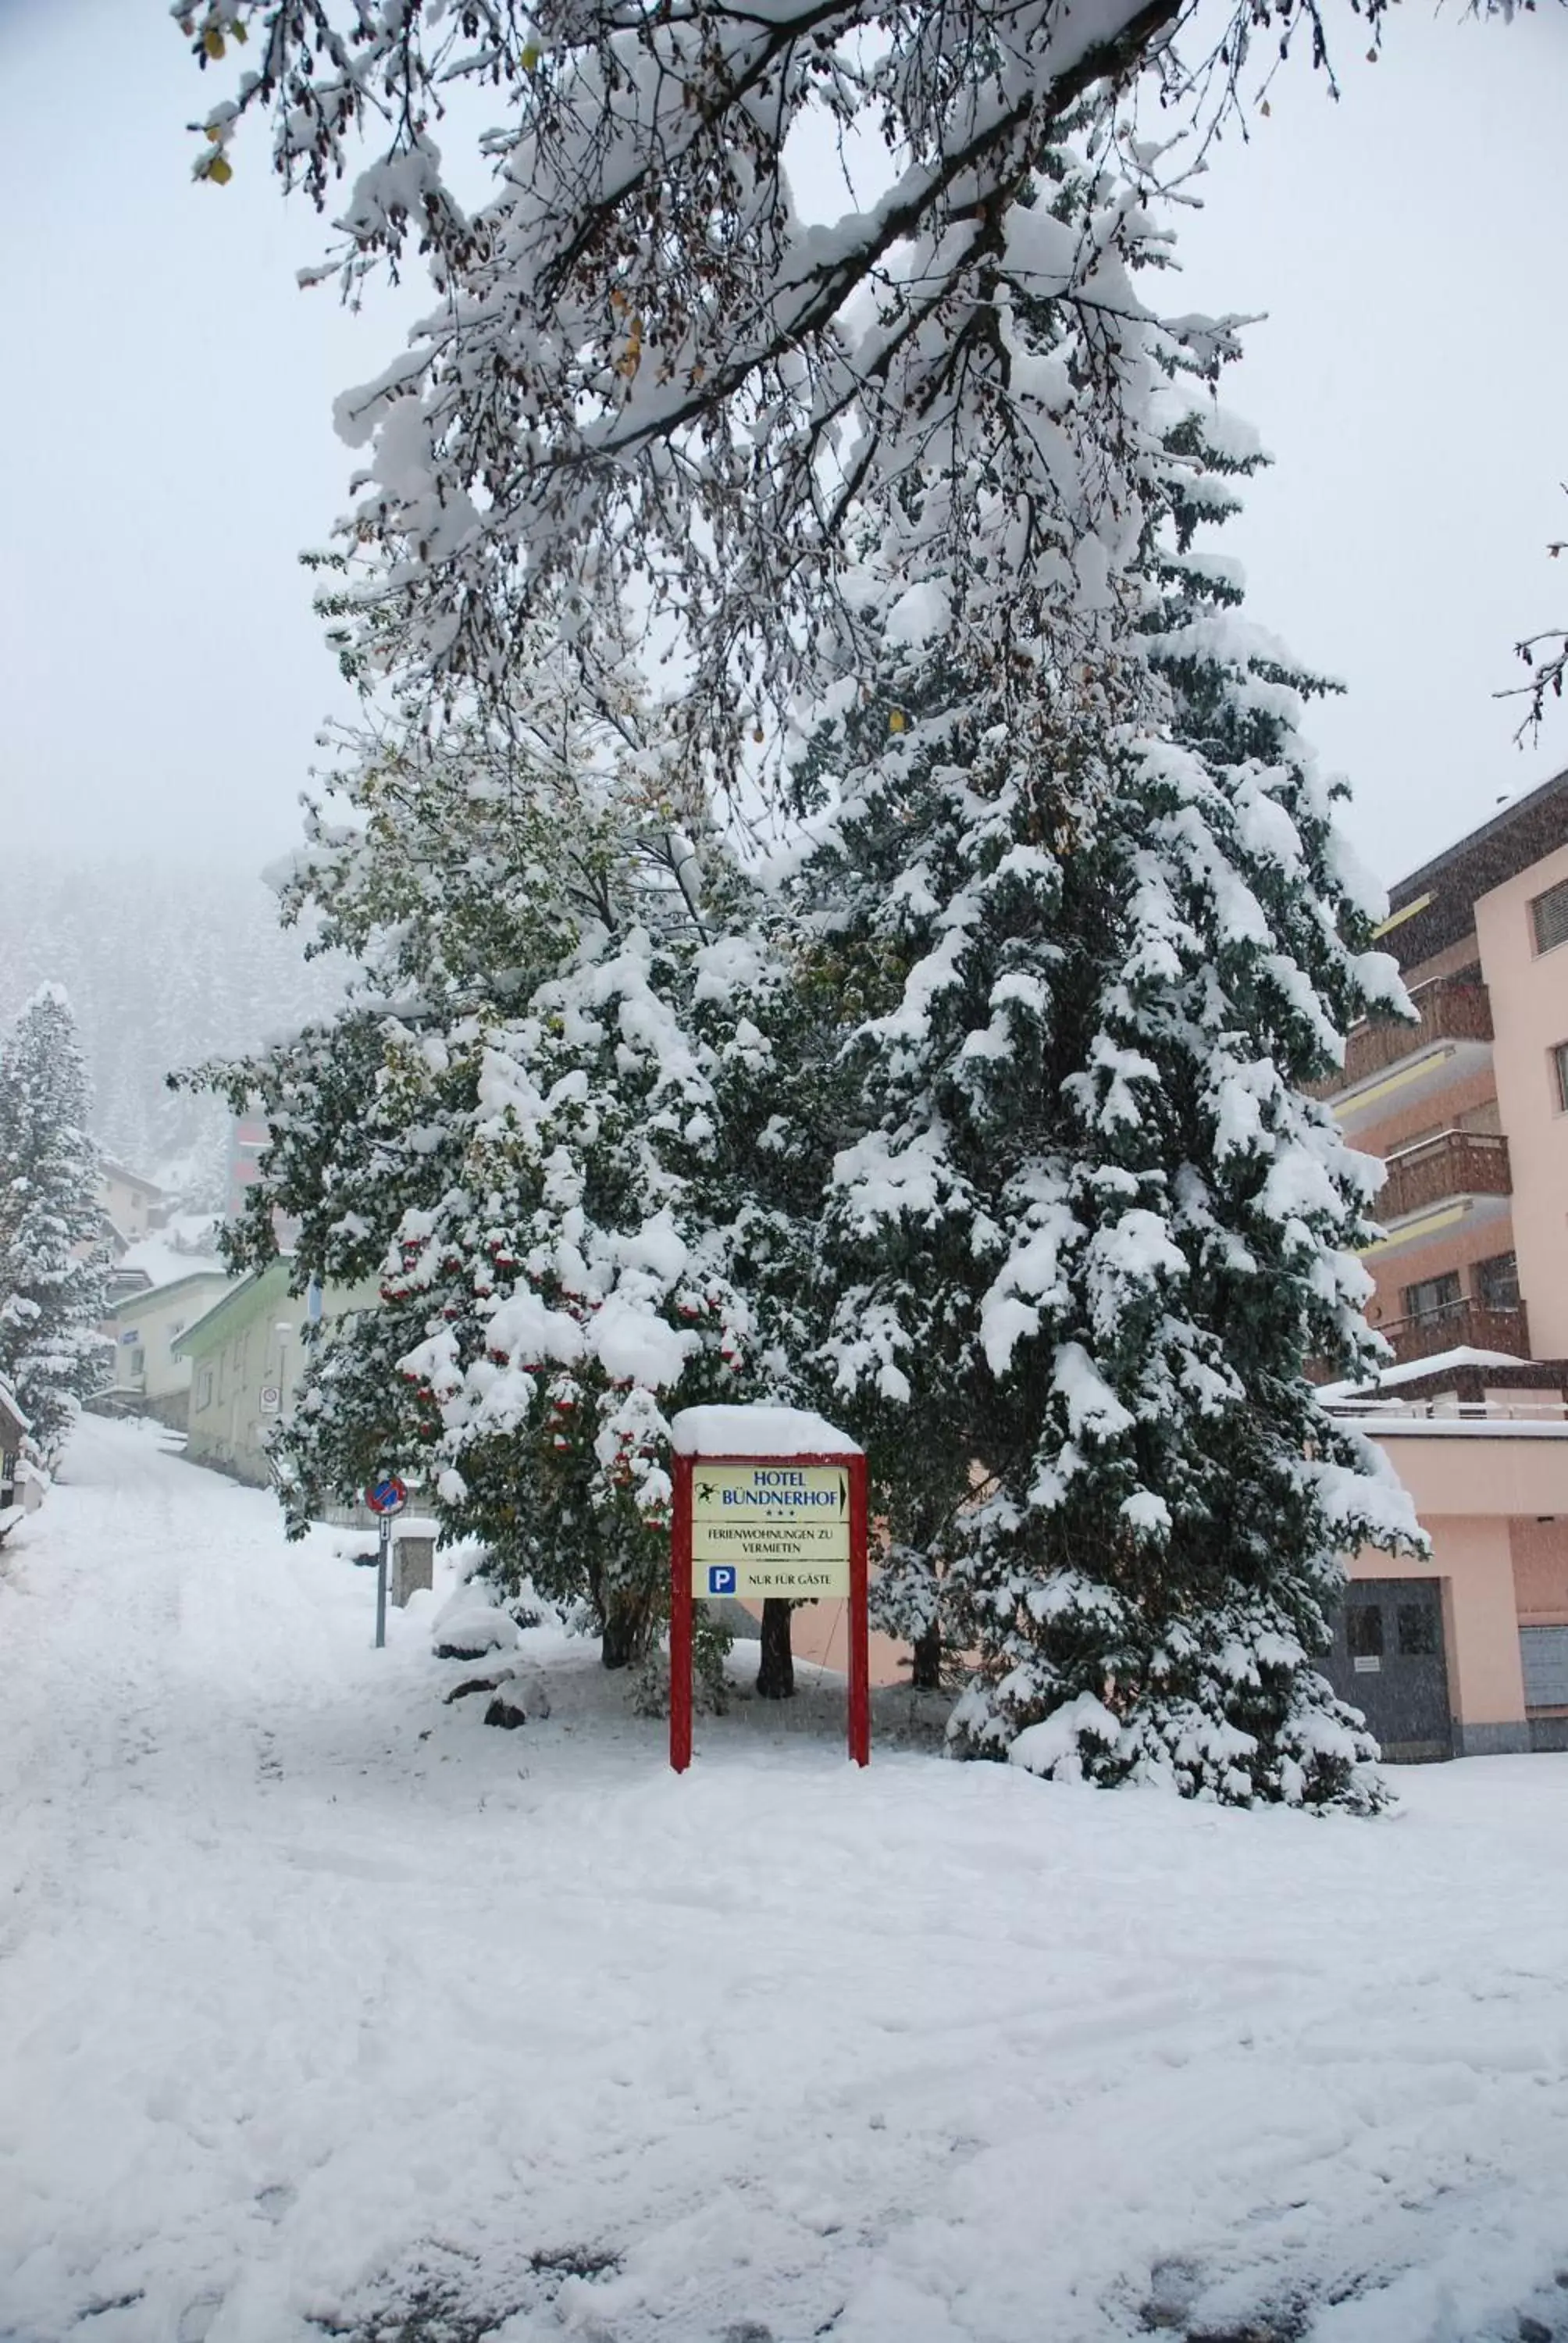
{"x":1473,"y":1325}
{"x":1453,"y":1008}
{"x":1455,"y":1163}
{"x":1518,"y":1407}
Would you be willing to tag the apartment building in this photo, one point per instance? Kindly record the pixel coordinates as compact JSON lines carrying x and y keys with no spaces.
{"x":247,"y":1141}
{"x":1469,"y":1109}
{"x":1467,"y":1652}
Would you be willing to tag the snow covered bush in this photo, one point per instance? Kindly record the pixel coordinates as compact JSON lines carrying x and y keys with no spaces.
{"x":52,"y":1265}
{"x":535,"y":1124}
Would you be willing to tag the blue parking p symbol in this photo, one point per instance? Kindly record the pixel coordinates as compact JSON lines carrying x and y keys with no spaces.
{"x":722,"y":1578}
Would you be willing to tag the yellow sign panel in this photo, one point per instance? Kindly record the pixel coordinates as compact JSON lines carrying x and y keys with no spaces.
{"x":771,"y":1529}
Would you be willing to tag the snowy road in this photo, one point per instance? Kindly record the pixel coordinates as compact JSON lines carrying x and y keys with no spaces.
{"x":318,"y":1998}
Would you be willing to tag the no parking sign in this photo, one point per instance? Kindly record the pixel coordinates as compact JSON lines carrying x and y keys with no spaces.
{"x":386,"y":1495}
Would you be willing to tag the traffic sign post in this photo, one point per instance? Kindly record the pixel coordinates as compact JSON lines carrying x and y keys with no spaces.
{"x":791,"y":1526}
{"x":386,"y":1495}
{"x":383,"y":1556}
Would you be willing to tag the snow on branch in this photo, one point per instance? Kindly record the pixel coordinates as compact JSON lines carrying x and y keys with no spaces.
{"x":652,"y":375}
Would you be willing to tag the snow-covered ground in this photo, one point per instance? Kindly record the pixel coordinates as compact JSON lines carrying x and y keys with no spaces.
{"x":320,"y":2001}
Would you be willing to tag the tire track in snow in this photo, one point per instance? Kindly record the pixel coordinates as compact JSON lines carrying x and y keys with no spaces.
{"x":936,"y":2056}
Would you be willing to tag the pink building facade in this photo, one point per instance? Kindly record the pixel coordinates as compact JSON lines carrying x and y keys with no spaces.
{"x":1467,"y":1653}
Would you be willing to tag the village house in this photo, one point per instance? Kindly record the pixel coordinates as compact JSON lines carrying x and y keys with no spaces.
{"x":244,"y":1355}
{"x":247,"y":1355}
{"x":148,"y":1375}
{"x":129,"y":1205}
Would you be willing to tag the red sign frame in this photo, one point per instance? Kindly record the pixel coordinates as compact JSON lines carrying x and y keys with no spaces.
{"x":681,"y":1598}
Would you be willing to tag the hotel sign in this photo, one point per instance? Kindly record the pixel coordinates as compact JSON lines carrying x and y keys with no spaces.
{"x":767,"y":1528}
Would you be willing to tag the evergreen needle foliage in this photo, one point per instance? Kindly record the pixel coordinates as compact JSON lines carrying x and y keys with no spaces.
{"x":52,"y":1265}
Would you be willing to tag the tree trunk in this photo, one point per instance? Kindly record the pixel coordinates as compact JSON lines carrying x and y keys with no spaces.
{"x":627,"y":1632}
{"x":618,"y":1644}
{"x":926,"y":1673}
{"x":776,"y":1674}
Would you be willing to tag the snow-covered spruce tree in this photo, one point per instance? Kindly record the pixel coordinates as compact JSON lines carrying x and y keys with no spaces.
{"x":961,"y":755}
{"x":537,"y":1124}
{"x":51,"y":1264}
{"x":1095,"y":1228}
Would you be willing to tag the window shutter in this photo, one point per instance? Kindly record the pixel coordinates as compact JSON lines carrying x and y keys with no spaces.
{"x":1549,"y":914}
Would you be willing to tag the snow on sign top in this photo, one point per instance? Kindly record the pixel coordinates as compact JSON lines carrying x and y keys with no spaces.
{"x":757,"y":1432}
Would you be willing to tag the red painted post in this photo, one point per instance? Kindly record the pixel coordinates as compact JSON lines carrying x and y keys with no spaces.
{"x":680,"y":1617}
{"x":860,"y":1621}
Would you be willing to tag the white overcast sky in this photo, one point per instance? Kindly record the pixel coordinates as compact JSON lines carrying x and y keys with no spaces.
{"x":166,"y":447}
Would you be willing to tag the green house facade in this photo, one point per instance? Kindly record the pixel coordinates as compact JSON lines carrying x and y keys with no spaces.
{"x":246,"y":1356}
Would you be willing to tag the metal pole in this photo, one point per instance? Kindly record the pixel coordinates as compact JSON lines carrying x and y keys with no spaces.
{"x":383,"y":1549}
{"x":680,"y":1618}
{"x":860,"y":1621}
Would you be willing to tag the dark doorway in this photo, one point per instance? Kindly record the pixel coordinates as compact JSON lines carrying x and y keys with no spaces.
{"x":1389,"y":1661}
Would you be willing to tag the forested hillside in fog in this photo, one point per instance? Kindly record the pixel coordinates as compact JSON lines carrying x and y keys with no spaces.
{"x":164,"y":965}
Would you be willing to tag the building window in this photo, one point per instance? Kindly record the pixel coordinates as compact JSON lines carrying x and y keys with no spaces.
{"x":1559,"y":1074}
{"x":1549,"y":918}
{"x":138,"y":1363}
{"x":1497,"y":1281}
{"x":1364,"y":1631}
{"x":1434,"y":1296}
{"x":204,"y":1388}
{"x":1544,"y":1652}
{"x":1417,"y":1630}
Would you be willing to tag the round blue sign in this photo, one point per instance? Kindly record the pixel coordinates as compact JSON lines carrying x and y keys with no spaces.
{"x":386,"y":1495}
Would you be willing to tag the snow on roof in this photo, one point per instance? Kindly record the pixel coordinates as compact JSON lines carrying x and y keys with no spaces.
{"x":114,"y":1169}
{"x":169,"y":1254}
{"x":757,"y":1432}
{"x":1442,"y":1362}
{"x":8,"y":1401}
{"x":142,"y":1297}
{"x":1505,"y":804}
